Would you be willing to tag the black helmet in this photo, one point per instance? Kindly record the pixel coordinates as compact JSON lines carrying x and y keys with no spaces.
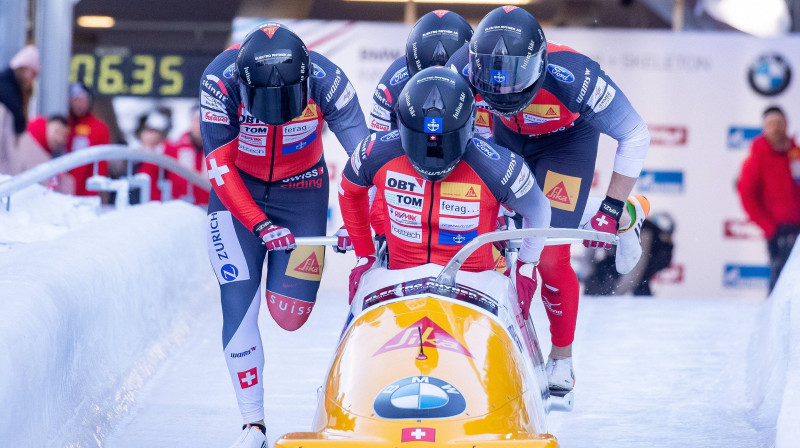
{"x":435,"y":117}
{"x":273,"y":68}
{"x":434,"y":38}
{"x":508,"y":59}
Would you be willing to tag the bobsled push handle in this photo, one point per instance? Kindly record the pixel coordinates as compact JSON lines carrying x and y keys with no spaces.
{"x":316,"y":240}
{"x":554,"y":237}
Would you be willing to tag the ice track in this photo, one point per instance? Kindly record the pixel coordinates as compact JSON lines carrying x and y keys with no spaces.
{"x":650,"y":373}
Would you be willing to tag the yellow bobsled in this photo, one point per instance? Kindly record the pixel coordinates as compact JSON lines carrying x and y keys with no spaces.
{"x":427,"y":361}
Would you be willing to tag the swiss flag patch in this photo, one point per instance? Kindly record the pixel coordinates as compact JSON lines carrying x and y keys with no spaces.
{"x":248,"y":378}
{"x":418,"y":435}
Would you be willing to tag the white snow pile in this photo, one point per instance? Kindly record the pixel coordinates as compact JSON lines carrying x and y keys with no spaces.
{"x":37,"y":213}
{"x":87,"y":317}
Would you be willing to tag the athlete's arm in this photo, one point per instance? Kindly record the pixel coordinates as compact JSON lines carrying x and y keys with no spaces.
{"x":357,"y":179}
{"x":338,"y":101}
{"x":382,"y":116}
{"x":219,"y":126}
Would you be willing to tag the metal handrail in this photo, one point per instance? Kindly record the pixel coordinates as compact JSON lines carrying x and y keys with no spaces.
{"x":555,"y":237}
{"x":96,"y":154}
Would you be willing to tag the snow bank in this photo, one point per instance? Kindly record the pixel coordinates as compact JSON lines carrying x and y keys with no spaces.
{"x":87,"y":317}
{"x":773,"y":370}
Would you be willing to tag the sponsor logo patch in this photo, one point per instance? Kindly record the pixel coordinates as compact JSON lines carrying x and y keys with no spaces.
{"x":562,"y":190}
{"x":741,"y":137}
{"x":541,"y":113}
{"x":412,"y":235}
{"x":244,"y":353}
{"x":433,"y":336}
{"x":486,"y":149}
{"x":224,"y":250}
{"x":458,"y":208}
{"x":404,"y":182}
{"x":449,"y":238}
{"x":560,"y":73}
{"x":433,"y":125}
{"x":418,"y":434}
{"x":459,"y":190}
{"x":379,"y":125}
{"x":404,"y":200}
{"x":346,"y":96}
{"x":379,"y":112}
{"x":419,"y":397}
{"x":210,"y":116}
{"x":208,"y":101}
{"x":394,"y":135}
{"x":306,"y":263}
{"x":318,"y":71}
{"x":229,"y":71}
{"x":482,"y":118}
{"x":405,"y":218}
{"x":297,"y":136}
{"x":523,"y":183}
{"x":289,"y":313}
{"x":308,"y":113}
{"x":248,"y":378}
{"x":500,"y":76}
{"x":399,"y":76}
{"x":458,"y":224}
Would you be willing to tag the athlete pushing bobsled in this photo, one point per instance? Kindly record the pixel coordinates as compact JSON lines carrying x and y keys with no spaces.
{"x":264,"y":104}
{"x":549,"y":105}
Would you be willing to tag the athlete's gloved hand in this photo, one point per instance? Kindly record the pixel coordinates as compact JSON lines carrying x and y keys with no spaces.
{"x":501,"y":225}
{"x":275,"y":237}
{"x":605,"y":220}
{"x":344,"y":242}
{"x":526,"y":282}
{"x":363,"y":265}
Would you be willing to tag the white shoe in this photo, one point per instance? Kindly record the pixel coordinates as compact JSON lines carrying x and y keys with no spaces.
{"x":629,"y":248}
{"x":559,"y":374}
{"x":251,"y":437}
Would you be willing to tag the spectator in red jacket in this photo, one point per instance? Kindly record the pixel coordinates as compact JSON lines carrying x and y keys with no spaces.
{"x":188,"y":150}
{"x":85,"y":130}
{"x":769,"y":187}
{"x":152,"y":134}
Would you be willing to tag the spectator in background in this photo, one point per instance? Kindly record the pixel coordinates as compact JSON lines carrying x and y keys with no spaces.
{"x":45,"y":140}
{"x":85,"y":130}
{"x":188,"y":150}
{"x":769,"y":187}
{"x":152,"y":133}
{"x":16,"y":88}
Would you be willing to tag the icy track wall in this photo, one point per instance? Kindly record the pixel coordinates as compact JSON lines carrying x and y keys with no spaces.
{"x":86,"y":318}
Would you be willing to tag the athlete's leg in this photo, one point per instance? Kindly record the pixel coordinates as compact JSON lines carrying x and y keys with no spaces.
{"x":293,"y":278}
{"x":237,"y":256}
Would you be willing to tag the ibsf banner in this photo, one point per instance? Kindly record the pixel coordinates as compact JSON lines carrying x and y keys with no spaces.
{"x":702,"y":95}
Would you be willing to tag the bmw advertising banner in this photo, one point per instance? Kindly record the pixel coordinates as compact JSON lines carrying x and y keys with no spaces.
{"x":702,"y":95}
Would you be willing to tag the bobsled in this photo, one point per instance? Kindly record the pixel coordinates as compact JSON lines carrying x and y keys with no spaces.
{"x":437,"y":356}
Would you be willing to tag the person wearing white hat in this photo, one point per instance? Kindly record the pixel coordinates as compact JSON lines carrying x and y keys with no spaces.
{"x":85,"y":130}
{"x":16,"y":87}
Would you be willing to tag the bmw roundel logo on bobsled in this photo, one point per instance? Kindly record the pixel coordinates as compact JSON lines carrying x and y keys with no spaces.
{"x":438,"y":355}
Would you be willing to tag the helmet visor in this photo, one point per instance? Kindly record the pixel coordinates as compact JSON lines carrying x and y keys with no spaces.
{"x":275,"y":105}
{"x":505,"y":74}
{"x":434,"y":155}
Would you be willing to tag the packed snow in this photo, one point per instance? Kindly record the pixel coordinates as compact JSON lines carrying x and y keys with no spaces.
{"x":110,"y":336}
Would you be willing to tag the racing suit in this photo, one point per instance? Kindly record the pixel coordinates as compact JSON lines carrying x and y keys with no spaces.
{"x":557,"y":134}
{"x":258,"y":170}
{"x":428,"y":222}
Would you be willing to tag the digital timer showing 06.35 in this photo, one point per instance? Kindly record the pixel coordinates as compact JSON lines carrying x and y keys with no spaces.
{"x":136,"y":74}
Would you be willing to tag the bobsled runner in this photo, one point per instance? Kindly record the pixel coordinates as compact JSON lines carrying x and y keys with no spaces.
{"x":433,"y":356}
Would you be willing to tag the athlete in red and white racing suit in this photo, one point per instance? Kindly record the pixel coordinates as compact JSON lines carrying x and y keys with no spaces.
{"x":263,"y":106}
{"x":440,"y":185}
{"x":549,"y":105}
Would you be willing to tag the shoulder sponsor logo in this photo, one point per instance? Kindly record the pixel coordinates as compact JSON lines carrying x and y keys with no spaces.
{"x":210,"y":102}
{"x":380,"y":112}
{"x":741,"y":137}
{"x":458,"y":224}
{"x":334,"y":85}
{"x":224,"y":249}
{"x":523,"y":183}
{"x":561,"y":73}
{"x":404,"y":182}
{"x":355,"y":160}
{"x":405,"y":218}
{"x":668,"y":135}
{"x":399,"y":76}
{"x":510,"y":170}
{"x":306,"y":263}
{"x":346,"y":96}
{"x":404,"y":201}
{"x":458,"y":208}
{"x":607,"y":98}
{"x":230,"y":71}
{"x":382,"y":95}
{"x":486,"y":149}
{"x":459,"y":190}
{"x":599,"y":88}
{"x":216,"y":86}
{"x":410,"y":234}
{"x":209,"y":116}
{"x":318,"y":71}
{"x":562,"y":190}
{"x":660,"y":182}
{"x":738,"y":276}
{"x":394,"y":135}
{"x":378,"y":124}
{"x":465,"y":70}
{"x":432,"y":336}
{"x":742,"y":229}
{"x":585,"y":86}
